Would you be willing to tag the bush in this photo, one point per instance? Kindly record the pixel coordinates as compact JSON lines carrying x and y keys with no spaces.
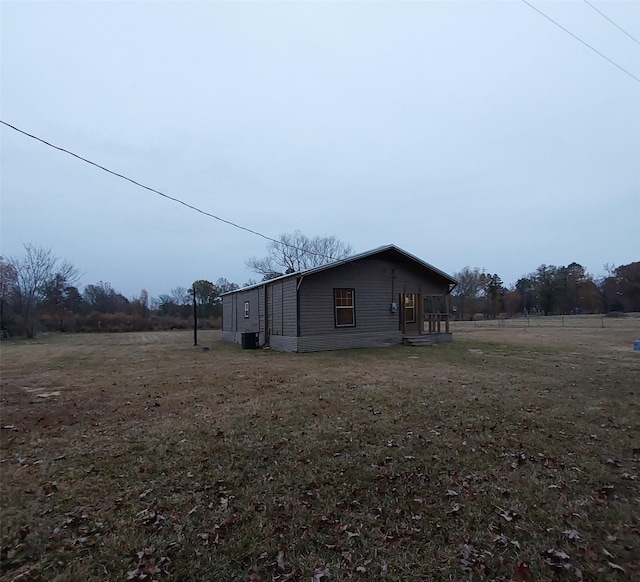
{"x":97,"y":322}
{"x":56,"y":323}
{"x":8,"y":326}
{"x":615,"y":314}
{"x":113,"y":322}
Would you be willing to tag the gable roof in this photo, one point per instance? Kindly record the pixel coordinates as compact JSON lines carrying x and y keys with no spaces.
{"x":389,"y":252}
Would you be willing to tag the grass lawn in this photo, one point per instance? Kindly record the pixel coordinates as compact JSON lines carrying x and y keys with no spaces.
{"x":512,"y":453}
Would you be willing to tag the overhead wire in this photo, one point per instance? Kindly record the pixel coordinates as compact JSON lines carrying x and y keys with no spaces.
{"x":606,"y":58}
{"x":174,"y":199}
{"x":633,"y":38}
{"x":266,"y":237}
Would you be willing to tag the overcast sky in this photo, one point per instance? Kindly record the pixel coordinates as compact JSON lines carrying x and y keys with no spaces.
{"x":467,"y":133}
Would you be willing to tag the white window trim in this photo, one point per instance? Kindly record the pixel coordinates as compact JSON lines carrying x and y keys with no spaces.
{"x":352,"y":307}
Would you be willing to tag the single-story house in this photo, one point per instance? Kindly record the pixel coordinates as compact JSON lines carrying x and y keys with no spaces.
{"x":381,"y":297}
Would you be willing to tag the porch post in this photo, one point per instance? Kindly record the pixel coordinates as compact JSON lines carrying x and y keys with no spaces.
{"x":446,"y":301}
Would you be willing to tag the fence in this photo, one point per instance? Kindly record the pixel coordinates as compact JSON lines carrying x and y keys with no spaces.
{"x":552,"y":321}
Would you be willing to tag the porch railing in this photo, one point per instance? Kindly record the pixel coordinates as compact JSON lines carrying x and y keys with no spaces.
{"x":436,"y":323}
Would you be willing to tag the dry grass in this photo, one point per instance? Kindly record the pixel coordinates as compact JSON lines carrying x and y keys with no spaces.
{"x":138,"y":456}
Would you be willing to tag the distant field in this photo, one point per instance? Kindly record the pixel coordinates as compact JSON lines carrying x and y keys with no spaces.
{"x":603,"y":332}
{"x":512,"y":453}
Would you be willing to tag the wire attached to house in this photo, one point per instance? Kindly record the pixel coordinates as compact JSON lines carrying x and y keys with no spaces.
{"x":606,"y":58}
{"x":190,"y":206}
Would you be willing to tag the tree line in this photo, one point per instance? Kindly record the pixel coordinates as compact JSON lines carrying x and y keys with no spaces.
{"x":40,"y":291}
{"x":549,"y":290}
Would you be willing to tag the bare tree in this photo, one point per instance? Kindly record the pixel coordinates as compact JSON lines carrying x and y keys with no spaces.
{"x":180,"y":295}
{"x":224,"y":285}
{"x":102,"y":297}
{"x":296,"y":252}
{"x":140,"y":305}
{"x":34,"y":271}
{"x":468,"y":290}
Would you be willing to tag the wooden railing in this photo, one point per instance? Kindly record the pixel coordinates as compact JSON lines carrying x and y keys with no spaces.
{"x":436,"y":323}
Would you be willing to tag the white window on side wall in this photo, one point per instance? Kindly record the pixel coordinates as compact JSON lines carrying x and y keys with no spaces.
{"x":345,"y":307}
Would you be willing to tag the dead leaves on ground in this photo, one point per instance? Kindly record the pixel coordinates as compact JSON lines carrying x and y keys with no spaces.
{"x":78,"y":532}
{"x":374,"y":494}
{"x":523,"y":572}
{"x":321,"y":574}
{"x":149,"y":565}
{"x":277,"y":569}
{"x":474,"y":560}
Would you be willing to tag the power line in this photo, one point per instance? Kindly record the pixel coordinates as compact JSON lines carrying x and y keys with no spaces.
{"x":190,"y":206}
{"x":612,"y":22}
{"x":582,"y":41}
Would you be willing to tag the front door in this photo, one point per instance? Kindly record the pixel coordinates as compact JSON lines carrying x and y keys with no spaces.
{"x":410,"y":313}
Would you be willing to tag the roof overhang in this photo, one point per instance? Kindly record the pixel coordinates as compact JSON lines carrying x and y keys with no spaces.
{"x":388,"y":252}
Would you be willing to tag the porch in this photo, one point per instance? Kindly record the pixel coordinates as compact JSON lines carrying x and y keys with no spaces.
{"x":425,"y":318}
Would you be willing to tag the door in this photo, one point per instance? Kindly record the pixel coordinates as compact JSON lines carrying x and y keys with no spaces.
{"x":410,"y":313}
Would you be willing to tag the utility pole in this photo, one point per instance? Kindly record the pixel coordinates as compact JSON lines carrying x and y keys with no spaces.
{"x":195,"y":318}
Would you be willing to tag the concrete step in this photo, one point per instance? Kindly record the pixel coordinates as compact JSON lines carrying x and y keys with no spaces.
{"x":426,"y":339}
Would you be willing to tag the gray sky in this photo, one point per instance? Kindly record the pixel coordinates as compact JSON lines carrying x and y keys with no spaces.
{"x":468,"y":133}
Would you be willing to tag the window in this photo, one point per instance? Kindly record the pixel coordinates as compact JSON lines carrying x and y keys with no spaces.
{"x":344,"y":303}
{"x":410,"y":308}
{"x":246,"y":310}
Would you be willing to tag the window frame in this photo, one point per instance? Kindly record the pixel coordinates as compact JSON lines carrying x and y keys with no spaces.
{"x":344,"y":308}
{"x":410,"y":308}
{"x":247,"y":309}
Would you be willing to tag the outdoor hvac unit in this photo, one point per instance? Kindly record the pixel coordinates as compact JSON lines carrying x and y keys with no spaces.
{"x":250,"y":340}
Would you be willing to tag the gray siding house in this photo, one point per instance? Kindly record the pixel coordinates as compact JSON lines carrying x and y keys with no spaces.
{"x":378,"y":298}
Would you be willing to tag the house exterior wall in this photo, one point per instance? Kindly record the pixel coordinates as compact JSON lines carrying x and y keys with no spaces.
{"x":227,"y":316}
{"x":296,"y":314}
{"x":376,"y":285}
{"x":317,"y":343}
{"x":282,"y":309}
{"x":234,"y":322}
